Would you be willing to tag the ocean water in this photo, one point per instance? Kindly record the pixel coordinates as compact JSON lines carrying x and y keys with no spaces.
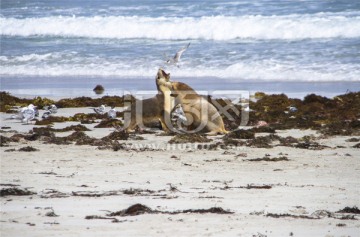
{"x":262,"y":45}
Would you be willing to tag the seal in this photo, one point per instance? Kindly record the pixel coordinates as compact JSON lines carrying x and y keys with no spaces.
{"x":201,"y":116}
{"x":154,"y":109}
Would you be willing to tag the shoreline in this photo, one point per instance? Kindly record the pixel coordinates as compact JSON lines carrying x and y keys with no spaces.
{"x":69,"y":87}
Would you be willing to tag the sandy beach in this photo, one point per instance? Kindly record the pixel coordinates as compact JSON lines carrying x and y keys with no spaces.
{"x":276,"y":82}
{"x":83,"y":190}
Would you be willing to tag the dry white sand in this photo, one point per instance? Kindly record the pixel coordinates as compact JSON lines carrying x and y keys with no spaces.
{"x":312,"y":180}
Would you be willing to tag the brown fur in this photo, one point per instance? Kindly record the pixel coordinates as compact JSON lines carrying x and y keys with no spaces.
{"x":198,"y":111}
{"x":153,"y":109}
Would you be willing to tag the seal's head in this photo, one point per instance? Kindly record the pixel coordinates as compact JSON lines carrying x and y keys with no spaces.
{"x":163,"y":82}
{"x":161,"y":74}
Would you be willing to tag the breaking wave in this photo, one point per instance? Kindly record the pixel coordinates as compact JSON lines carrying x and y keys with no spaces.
{"x":290,"y":27}
{"x":57,"y":64}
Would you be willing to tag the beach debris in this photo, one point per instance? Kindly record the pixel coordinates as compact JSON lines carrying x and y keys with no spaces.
{"x":45,"y":131}
{"x":354,"y":210}
{"x":28,"y":149}
{"x":319,"y":214}
{"x":175,"y":60}
{"x":140,"y":209}
{"x":263,"y":129}
{"x":310,"y":146}
{"x":116,"y":135}
{"x":99,"y":89}
{"x":249,"y":186}
{"x":14,"y":191}
{"x":240,"y":134}
{"x":134,"y":210}
{"x":353,"y":139}
{"x":189,"y":138}
{"x":110,"y":123}
{"x":267,"y":158}
{"x":4,"y":141}
{"x":52,"y":193}
{"x":51,"y":214}
{"x":95,"y":193}
{"x":262,"y":141}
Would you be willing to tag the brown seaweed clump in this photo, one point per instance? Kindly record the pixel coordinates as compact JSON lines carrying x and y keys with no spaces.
{"x":78,"y":127}
{"x":265,"y":158}
{"x":134,"y":210}
{"x":333,"y":116}
{"x":90,"y":117}
{"x":89,"y":102}
{"x":241,"y":134}
{"x":189,"y":138}
{"x":4,"y":141}
{"x":52,"y":119}
{"x":354,"y":210}
{"x":28,"y":149}
{"x":15,"y":192}
{"x":46,"y":130}
{"x":7,"y":101}
{"x":99,"y":89}
{"x":109,"y":123}
{"x":261,"y":142}
{"x":117,"y":135}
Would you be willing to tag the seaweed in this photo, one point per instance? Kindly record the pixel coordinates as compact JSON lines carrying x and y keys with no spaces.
{"x":265,"y":158}
{"x":77,"y":128}
{"x":310,"y":146}
{"x":353,"y":139}
{"x":4,"y":141}
{"x":336,"y":116}
{"x":263,"y":129}
{"x":15,"y":192}
{"x":7,"y":101}
{"x":117,"y":135}
{"x":240,"y":134}
{"x":28,"y":149}
{"x":274,"y":215}
{"x":134,"y":210}
{"x":139,"y":209}
{"x":260,"y":142}
{"x":353,"y":210}
{"x":109,"y":123}
{"x":189,"y":138}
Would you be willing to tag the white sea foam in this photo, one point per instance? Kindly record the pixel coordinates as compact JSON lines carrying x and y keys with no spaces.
{"x":290,"y":27}
{"x":263,"y":70}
